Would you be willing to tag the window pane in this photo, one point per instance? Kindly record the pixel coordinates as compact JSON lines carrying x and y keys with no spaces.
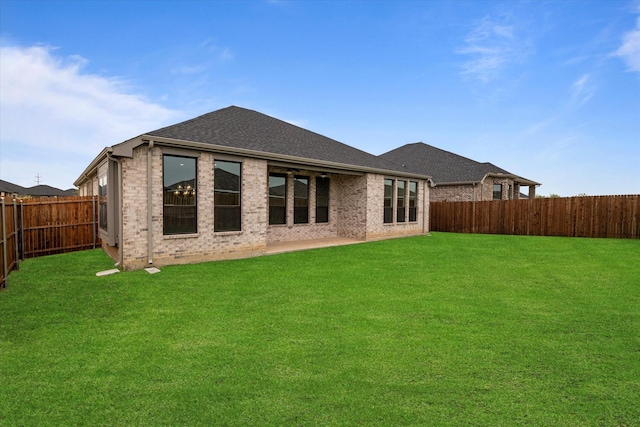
{"x":497,"y":191}
{"x":179,"y":177}
{"x":102,"y":196}
{"x":401,"y":202}
{"x":301,"y":200}
{"x":322,"y":199}
{"x":227,"y":183}
{"x":413,"y":201}
{"x":277,"y":199}
{"x":388,"y":200}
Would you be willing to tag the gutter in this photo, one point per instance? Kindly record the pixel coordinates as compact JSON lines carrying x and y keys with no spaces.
{"x":177,"y":143}
{"x":104,"y":154}
{"x":516,"y":178}
{"x":441,"y":184}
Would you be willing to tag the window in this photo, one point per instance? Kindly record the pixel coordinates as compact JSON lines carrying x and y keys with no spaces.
{"x":497,"y":191}
{"x":401,"y":201}
{"x":102,"y":196}
{"x":301,"y":200}
{"x":179,"y":178}
{"x":388,"y":200}
{"x":322,"y":199}
{"x":413,"y":201}
{"x":277,"y":199}
{"x":226,"y":184}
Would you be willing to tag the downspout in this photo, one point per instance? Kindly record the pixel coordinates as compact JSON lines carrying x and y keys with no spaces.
{"x":149,"y":204}
{"x":425,"y":207}
{"x":473,"y":210}
{"x":120,"y":208}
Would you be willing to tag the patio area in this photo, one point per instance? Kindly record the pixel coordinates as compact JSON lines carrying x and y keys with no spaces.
{"x":301,"y":245}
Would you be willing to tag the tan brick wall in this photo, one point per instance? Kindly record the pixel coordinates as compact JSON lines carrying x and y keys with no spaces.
{"x":133,"y":242}
{"x":356,"y":211}
{"x":480,"y":192}
{"x":292,"y":232}
{"x":205,"y":245}
{"x":455,"y":193}
{"x":376,"y":228}
{"x":352,"y":206}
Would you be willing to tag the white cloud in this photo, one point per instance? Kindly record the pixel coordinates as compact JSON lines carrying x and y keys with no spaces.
{"x":630,"y":49}
{"x":54,"y":113}
{"x":491,"y":46}
{"x":582,"y":89}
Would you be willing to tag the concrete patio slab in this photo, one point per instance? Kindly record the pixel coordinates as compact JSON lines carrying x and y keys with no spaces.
{"x":301,"y":245}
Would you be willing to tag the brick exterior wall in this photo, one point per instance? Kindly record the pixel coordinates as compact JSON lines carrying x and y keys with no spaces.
{"x":479,"y":192}
{"x":352,"y":206}
{"x":355,"y":211}
{"x":375,"y":225}
{"x":205,"y":245}
{"x":291,"y":232}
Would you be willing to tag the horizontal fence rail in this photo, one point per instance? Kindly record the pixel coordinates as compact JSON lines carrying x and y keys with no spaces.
{"x":589,"y":216}
{"x":45,"y":226}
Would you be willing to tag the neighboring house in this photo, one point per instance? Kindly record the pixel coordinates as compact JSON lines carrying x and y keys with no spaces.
{"x":231,"y":183}
{"x":8,"y":189}
{"x":458,"y":178}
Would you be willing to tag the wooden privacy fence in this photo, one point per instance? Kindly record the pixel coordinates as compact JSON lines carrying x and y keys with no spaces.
{"x":36,"y":227}
{"x":596,"y":216}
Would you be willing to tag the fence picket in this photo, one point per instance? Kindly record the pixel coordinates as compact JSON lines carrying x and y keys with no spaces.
{"x":45,"y":227}
{"x":590,"y":216}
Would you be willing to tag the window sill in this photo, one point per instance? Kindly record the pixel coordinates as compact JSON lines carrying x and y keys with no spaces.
{"x":228,"y":233}
{"x":180,"y":236}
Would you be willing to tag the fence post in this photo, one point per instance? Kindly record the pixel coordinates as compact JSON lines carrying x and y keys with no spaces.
{"x":15,"y":232}
{"x":22,"y":228}
{"x":94,"y":220}
{"x":4,"y":244}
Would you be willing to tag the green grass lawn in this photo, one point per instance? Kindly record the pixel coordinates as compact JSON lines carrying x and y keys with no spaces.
{"x":450,"y":329}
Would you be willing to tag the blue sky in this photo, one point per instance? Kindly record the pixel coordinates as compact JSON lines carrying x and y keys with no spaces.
{"x":548,"y":90}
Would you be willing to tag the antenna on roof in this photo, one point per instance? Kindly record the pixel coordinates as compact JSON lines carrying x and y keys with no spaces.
{"x":38,"y":179}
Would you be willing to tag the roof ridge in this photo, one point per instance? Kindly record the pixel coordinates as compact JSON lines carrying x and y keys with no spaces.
{"x":299,"y":127}
{"x":189,"y":120}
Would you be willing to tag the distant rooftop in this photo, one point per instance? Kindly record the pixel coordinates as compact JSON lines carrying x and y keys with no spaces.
{"x":8,"y":188}
{"x":443,"y":166}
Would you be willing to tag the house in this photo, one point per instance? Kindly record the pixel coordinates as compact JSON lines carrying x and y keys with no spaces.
{"x":234,"y":182}
{"x":8,"y":189}
{"x":458,"y":178}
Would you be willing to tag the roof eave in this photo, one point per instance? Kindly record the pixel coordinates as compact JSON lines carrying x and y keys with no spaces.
{"x":179,"y":143}
{"x":439,"y":184}
{"x":517,"y":178}
{"x":93,"y":165}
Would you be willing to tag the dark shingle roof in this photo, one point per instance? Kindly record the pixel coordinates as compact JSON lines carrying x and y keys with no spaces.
{"x":443,"y":166}
{"x":35,"y":191}
{"x":240,"y":128}
{"x":8,"y":187}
